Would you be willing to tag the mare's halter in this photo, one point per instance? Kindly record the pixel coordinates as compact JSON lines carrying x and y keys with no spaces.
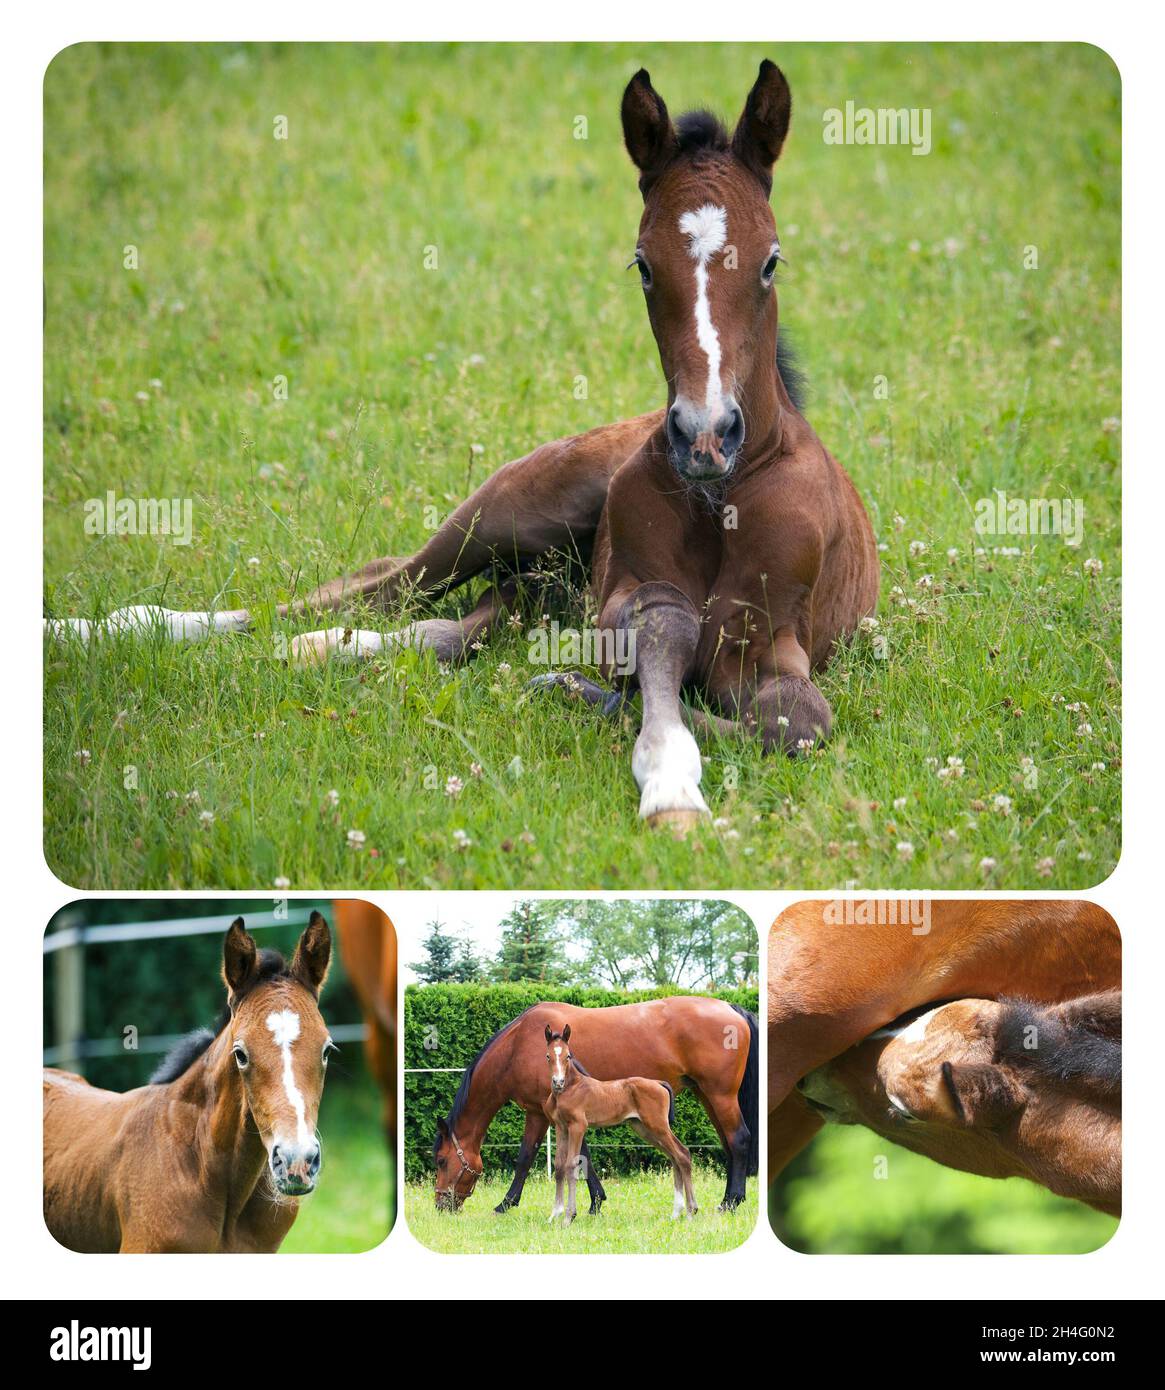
{"x":466,"y":1167}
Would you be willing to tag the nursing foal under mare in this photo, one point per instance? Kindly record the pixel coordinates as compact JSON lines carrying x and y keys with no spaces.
{"x":833,"y":982}
{"x":213,"y":1155}
{"x":706,"y":1045}
{"x":577,"y":1102}
{"x":724,"y":539}
{"x":1001,"y":1088}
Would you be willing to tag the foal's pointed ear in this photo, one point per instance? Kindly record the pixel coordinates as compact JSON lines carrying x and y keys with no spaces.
{"x":309,"y":965}
{"x":549,"y":1034}
{"x":647,"y":129}
{"x":240,"y":957}
{"x":983,"y":1096}
{"x":764,"y":123}
{"x":566,"y":1033}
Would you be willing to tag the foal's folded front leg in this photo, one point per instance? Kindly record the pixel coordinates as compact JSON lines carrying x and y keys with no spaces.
{"x":666,"y":760}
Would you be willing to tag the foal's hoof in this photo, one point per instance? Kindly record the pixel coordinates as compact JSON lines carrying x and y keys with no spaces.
{"x":312,"y":648}
{"x":679,"y":822}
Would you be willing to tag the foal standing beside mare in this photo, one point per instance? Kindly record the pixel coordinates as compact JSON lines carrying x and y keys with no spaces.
{"x":577,"y":1101}
{"x":213,"y":1155}
{"x":725,"y":541}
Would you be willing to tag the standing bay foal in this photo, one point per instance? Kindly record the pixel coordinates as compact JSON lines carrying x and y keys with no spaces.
{"x":215,"y":1153}
{"x":577,"y":1101}
{"x":728,"y":548}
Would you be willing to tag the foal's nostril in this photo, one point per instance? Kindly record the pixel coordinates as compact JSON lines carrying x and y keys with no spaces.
{"x":678,"y":436}
{"x":314,"y":1159}
{"x":278,"y":1161}
{"x":730,"y":428}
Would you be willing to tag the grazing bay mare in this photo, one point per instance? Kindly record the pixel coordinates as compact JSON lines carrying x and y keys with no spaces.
{"x":729,"y":549}
{"x":1003,"y":1088}
{"x":368,"y":949}
{"x":833,"y":982}
{"x":215,"y":1153}
{"x":578,"y":1102}
{"x":704,"y":1044}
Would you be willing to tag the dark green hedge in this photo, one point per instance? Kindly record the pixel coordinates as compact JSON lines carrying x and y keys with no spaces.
{"x":448,"y":1025}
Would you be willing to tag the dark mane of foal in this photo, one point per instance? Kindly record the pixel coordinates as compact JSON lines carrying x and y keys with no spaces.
{"x":701,"y":134}
{"x":186,"y":1051}
{"x":1085,"y":1046}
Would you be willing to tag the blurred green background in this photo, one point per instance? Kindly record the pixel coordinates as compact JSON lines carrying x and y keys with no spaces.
{"x":173,"y":985}
{"x":828,"y":1201}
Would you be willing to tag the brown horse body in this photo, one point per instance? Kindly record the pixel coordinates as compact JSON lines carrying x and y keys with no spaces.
{"x":368,"y":949}
{"x":729,"y":549}
{"x":214,"y":1158}
{"x":704,"y":1044}
{"x":1003,"y":1089}
{"x":578,"y":1101}
{"x":832,"y":983}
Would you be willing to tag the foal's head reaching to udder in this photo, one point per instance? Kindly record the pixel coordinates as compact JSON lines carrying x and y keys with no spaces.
{"x":280,"y":1046}
{"x":1002,"y":1088}
{"x":707,"y":255}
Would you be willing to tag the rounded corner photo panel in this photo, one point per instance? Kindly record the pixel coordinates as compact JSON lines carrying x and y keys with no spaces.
{"x":944,"y":1076}
{"x":733,"y":498}
{"x":219,"y":1076}
{"x":581,"y":1076}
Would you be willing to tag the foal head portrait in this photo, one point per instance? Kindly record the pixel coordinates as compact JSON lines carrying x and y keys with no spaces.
{"x":707,"y":255}
{"x":558,"y":1057}
{"x":280,"y":1046}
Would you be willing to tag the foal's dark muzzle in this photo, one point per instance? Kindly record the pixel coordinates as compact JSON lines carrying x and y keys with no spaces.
{"x":701,"y":452}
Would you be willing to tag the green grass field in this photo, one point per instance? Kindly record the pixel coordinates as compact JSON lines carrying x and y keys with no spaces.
{"x":636,"y":1219}
{"x":353,"y":1206}
{"x":302,"y":261}
{"x":852,"y":1192}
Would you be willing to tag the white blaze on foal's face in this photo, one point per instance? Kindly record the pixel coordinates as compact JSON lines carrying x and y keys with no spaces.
{"x":706,"y":231}
{"x":284,"y":1029}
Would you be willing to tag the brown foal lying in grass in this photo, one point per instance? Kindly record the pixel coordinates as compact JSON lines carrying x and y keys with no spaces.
{"x":577,"y":1101}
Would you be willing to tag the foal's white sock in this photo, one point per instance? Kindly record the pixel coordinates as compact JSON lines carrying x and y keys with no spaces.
{"x":147,"y":618}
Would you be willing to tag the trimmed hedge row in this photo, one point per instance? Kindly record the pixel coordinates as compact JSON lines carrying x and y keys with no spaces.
{"x":448,"y":1025}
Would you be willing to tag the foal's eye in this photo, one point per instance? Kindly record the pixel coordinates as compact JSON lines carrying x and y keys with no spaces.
{"x":239,"y":1052}
{"x":329,"y":1049}
{"x":898,"y":1111}
{"x":770,"y":266}
{"x":644,"y":269}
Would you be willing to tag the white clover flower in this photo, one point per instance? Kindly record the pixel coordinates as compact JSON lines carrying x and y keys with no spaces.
{"x":282,"y":883}
{"x":905,"y":849}
{"x":206,"y":817}
{"x":987,"y":865}
{"x":1093,"y":566}
{"x":454,"y":786}
{"x":356,"y":839}
{"x":917,"y":548}
{"x":333,"y":798}
{"x":1002,"y":804}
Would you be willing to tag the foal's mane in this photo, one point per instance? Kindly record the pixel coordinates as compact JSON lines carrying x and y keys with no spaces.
{"x":187,"y":1050}
{"x":1079,"y":1040}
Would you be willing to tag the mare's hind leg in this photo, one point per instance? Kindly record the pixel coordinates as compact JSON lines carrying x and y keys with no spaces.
{"x":594,"y":1186}
{"x":450,"y":638}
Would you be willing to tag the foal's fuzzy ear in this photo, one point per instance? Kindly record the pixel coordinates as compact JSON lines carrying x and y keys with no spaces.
{"x":309,"y":965}
{"x":549,"y":1034}
{"x":983,"y":1096}
{"x":240,"y":958}
{"x":764,"y":123}
{"x":647,"y":129}
{"x":566,"y":1033}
